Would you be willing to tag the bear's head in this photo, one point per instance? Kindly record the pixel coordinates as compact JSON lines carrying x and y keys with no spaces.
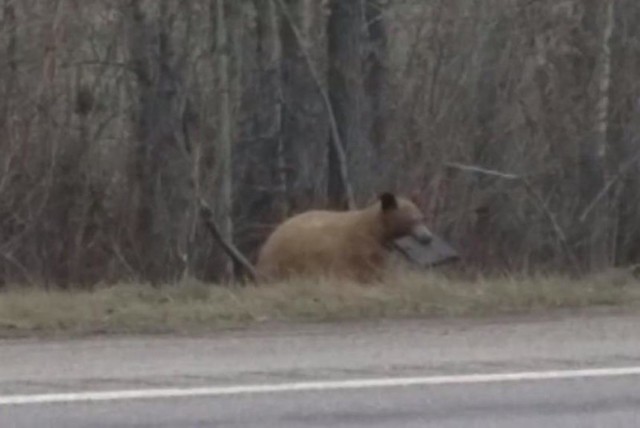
{"x":401,"y":218}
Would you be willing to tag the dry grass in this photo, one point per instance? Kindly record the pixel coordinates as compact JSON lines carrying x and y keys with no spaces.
{"x":196,"y":307}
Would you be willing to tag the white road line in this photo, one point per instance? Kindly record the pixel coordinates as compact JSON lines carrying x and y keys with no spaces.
{"x":92,"y":396}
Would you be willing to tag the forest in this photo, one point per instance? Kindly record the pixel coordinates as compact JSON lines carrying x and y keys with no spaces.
{"x":514,"y":123}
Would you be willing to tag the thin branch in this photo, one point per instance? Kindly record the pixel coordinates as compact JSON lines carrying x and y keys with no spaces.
{"x":562,"y":237}
{"x":484,"y":171}
{"x":117,"y":251}
{"x":622,"y":171}
{"x":25,"y":272}
{"x":538,"y":199}
{"x":335,"y":134}
{"x":208,"y":217}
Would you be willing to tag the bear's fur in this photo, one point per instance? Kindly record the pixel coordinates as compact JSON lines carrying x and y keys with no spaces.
{"x":351,"y":245}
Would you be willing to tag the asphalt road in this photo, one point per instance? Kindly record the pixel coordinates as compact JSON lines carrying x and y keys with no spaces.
{"x":562,"y":371}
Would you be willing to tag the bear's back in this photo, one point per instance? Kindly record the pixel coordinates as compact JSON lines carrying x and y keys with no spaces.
{"x":310,"y":243}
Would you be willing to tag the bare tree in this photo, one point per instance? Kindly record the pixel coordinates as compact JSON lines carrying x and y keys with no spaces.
{"x":262,"y":187}
{"x":624,"y":130}
{"x":225,"y":129}
{"x":375,"y":72}
{"x":598,"y":21}
{"x":304,"y":119}
{"x":345,"y":82}
{"x":160,"y":169}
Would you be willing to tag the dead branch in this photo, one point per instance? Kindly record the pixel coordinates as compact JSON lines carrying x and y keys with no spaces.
{"x":479,"y":170}
{"x":622,"y":171}
{"x":562,"y":237}
{"x":333,"y":125}
{"x":23,"y":270}
{"x":537,"y":198}
{"x":208,"y":217}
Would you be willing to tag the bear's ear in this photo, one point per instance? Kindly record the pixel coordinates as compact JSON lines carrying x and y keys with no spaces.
{"x":388,"y":201}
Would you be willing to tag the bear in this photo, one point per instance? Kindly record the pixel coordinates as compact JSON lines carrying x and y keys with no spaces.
{"x":352,"y":245}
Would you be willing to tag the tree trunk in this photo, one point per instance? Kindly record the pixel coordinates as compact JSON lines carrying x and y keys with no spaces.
{"x":273,"y":67}
{"x":10,"y":32}
{"x":161,"y":170}
{"x":269,"y":177}
{"x":599,"y":20}
{"x":225,"y":137}
{"x":345,"y":83}
{"x":304,"y":120}
{"x":626,"y":136}
{"x":259,"y":166}
{"x":376,"y":75}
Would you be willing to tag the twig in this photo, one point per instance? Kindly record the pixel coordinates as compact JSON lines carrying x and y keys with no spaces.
{"x":539,"y":202}
{"x":335,"y":134}
{"x":208,"y":217}
{"x":479,"y":170}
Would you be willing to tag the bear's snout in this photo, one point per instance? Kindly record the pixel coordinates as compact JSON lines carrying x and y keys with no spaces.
{"x":421,"y":233}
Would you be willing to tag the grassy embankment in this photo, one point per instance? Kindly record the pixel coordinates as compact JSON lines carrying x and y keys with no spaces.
{"x":193,"y":307}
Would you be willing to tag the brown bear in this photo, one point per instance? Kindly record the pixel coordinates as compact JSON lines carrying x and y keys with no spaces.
{"x":352,"y":245}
